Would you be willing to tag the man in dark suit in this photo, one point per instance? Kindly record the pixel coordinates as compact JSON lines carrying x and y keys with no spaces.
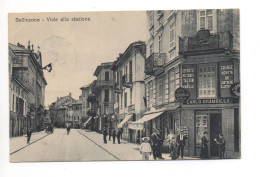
{"x":105,"y":135}
{"x":181,"y":143}
{"x":156,"y":144}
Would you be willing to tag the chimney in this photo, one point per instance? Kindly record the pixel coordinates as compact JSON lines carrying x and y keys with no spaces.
{"x":29,"y":45}
{"x":38,"y":48}
{"x":32,"y":48}
{"x":57,"y":98}
{"x":70,"y":94}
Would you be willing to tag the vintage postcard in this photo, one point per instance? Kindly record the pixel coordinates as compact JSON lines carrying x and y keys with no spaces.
{"x":126,"y":85}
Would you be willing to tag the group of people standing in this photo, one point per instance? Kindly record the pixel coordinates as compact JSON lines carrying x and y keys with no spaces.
{"x":112,"y":133}
{"x":220,"y":141}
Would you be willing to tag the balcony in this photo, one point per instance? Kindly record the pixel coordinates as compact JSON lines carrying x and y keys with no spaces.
{"x":155,"y":62}
{"x":204,"y":41}
{"x":91,"y":97}
{"x":118,"y":87}
{"x":127,"y":80}
{"x":91,"y":112}
{"x":104,"y":83}
{"x":131,"y":108}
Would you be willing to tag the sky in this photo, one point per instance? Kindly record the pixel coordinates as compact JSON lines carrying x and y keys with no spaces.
{"x":75,"y":49}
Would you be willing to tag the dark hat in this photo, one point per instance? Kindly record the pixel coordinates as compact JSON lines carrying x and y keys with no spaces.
{"x":205,"y":132}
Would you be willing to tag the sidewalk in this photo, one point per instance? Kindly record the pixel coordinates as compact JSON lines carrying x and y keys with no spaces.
{"x":123,"y":151}
{"x":21,"y":141}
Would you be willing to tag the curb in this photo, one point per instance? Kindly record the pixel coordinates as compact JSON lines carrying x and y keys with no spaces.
{"x":28,"y":145}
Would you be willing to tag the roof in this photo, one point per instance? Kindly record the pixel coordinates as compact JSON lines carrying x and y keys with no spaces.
{"x":102,"y":66}
{"x":85,"y":86}
{"x":122,"y":57}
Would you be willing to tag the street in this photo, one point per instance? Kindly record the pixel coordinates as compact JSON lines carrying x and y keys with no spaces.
{"x":62,"y":147}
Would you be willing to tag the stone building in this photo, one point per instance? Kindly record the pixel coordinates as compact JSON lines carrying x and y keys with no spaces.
{"x":27,"y":88}
{"x":76,"y":114}
{"x":130,"y":88}
{"x":197,"y":50}
{"x":104,"y":94}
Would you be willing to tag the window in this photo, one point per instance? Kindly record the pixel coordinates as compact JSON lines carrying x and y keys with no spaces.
{"x":131,"y":95}
{"x":121,"y":101}
{"x":207,"y":81}
{"x":150,"y":92}
{"x":125,"y":99}
{"x":13,"y":103}
{"x":172,"y":85}
{"x":160,"y":43}
{"x":106,"y":95}
{"x":107,"y":76}
{"x":206,"y":20}
{"x":151,"y":48}
{"x":160,"y":90}
{"x":172,"y":34}
{"x":201,"y":127}
{"x":130,"y":71}
{"x":150,"y":18}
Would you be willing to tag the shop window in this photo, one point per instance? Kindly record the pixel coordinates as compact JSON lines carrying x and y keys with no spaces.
{"x":172,"y":85}
{"x":201,"y":127}
{"x":207,"y":81}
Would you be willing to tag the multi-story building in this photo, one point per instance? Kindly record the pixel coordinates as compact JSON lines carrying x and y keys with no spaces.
{"x":27,"y":88}
{"x":86,"y":91}
{"x":130,"y":88}
{"x":60,"y":112}
{"x":76,"y":114}
{"x":197,"y":50}
{"x":104,"y":94}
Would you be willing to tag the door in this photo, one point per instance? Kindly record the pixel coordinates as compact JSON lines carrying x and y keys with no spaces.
{"x":215,"y":129}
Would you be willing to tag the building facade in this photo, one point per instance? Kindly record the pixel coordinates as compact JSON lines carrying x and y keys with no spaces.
{"x":104,"y":93}
{"x":86,"y":91}
{"x":197,"y":50}
{"x":27,"y":89}
{"x":129,"y":97}
{"x":76,"y":114}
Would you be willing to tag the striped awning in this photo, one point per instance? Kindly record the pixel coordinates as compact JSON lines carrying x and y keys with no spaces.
{"x":121,"y":124}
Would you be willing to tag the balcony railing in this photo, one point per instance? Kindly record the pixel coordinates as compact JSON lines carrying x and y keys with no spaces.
{"x":127,"y":80}
{"x":91,"y":112}
{"x":102,"y":83}
{"x":118,"y":87}
{"x":154,"y":62}
{"x":92,"y":97}
{"x":204,"y":40}
{"x":131,"y":108}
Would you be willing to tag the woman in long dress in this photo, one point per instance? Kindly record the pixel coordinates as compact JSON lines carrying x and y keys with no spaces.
{"x":204,"y":153}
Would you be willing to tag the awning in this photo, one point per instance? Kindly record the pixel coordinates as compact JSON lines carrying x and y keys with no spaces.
{"x":139,"y":125}
{"x":87,"y":121}
{"x":121,"y":124}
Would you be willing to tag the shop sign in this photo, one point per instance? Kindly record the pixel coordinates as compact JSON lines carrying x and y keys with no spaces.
{"x":185,"y":130}
{"x":136,"y":126}
{"x":188,"y":76}
{"x":181,"y":95}
{"x":226,"y":78}
{"x":235,"y":89}
{"x":212,"y":101}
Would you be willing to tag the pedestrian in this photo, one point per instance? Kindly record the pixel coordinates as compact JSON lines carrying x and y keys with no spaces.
{"x":221,"y":145}
{"x":204,"y":152}
{"x":118,"y":135}
{"x":172,"y":145}
{"x":181,"y":143}
{"x":145,"y":149}
{"x":105,"y":135}
{"x":114,"y":136}
{"x":68,"y":129}
{"x":109,"y":133}
{"x":121,"y":133}
{"x":156,"y":141}
{"x":29,"y":134}
{"x":160,"y":144}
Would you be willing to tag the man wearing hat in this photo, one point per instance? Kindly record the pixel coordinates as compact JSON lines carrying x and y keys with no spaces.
{"x":181,"y":143}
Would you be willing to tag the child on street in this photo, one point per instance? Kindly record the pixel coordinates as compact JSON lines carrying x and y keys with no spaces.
{"x":145,"y":149}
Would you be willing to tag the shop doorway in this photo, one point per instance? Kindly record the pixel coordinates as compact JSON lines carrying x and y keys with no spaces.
{"x":215,"y":129}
